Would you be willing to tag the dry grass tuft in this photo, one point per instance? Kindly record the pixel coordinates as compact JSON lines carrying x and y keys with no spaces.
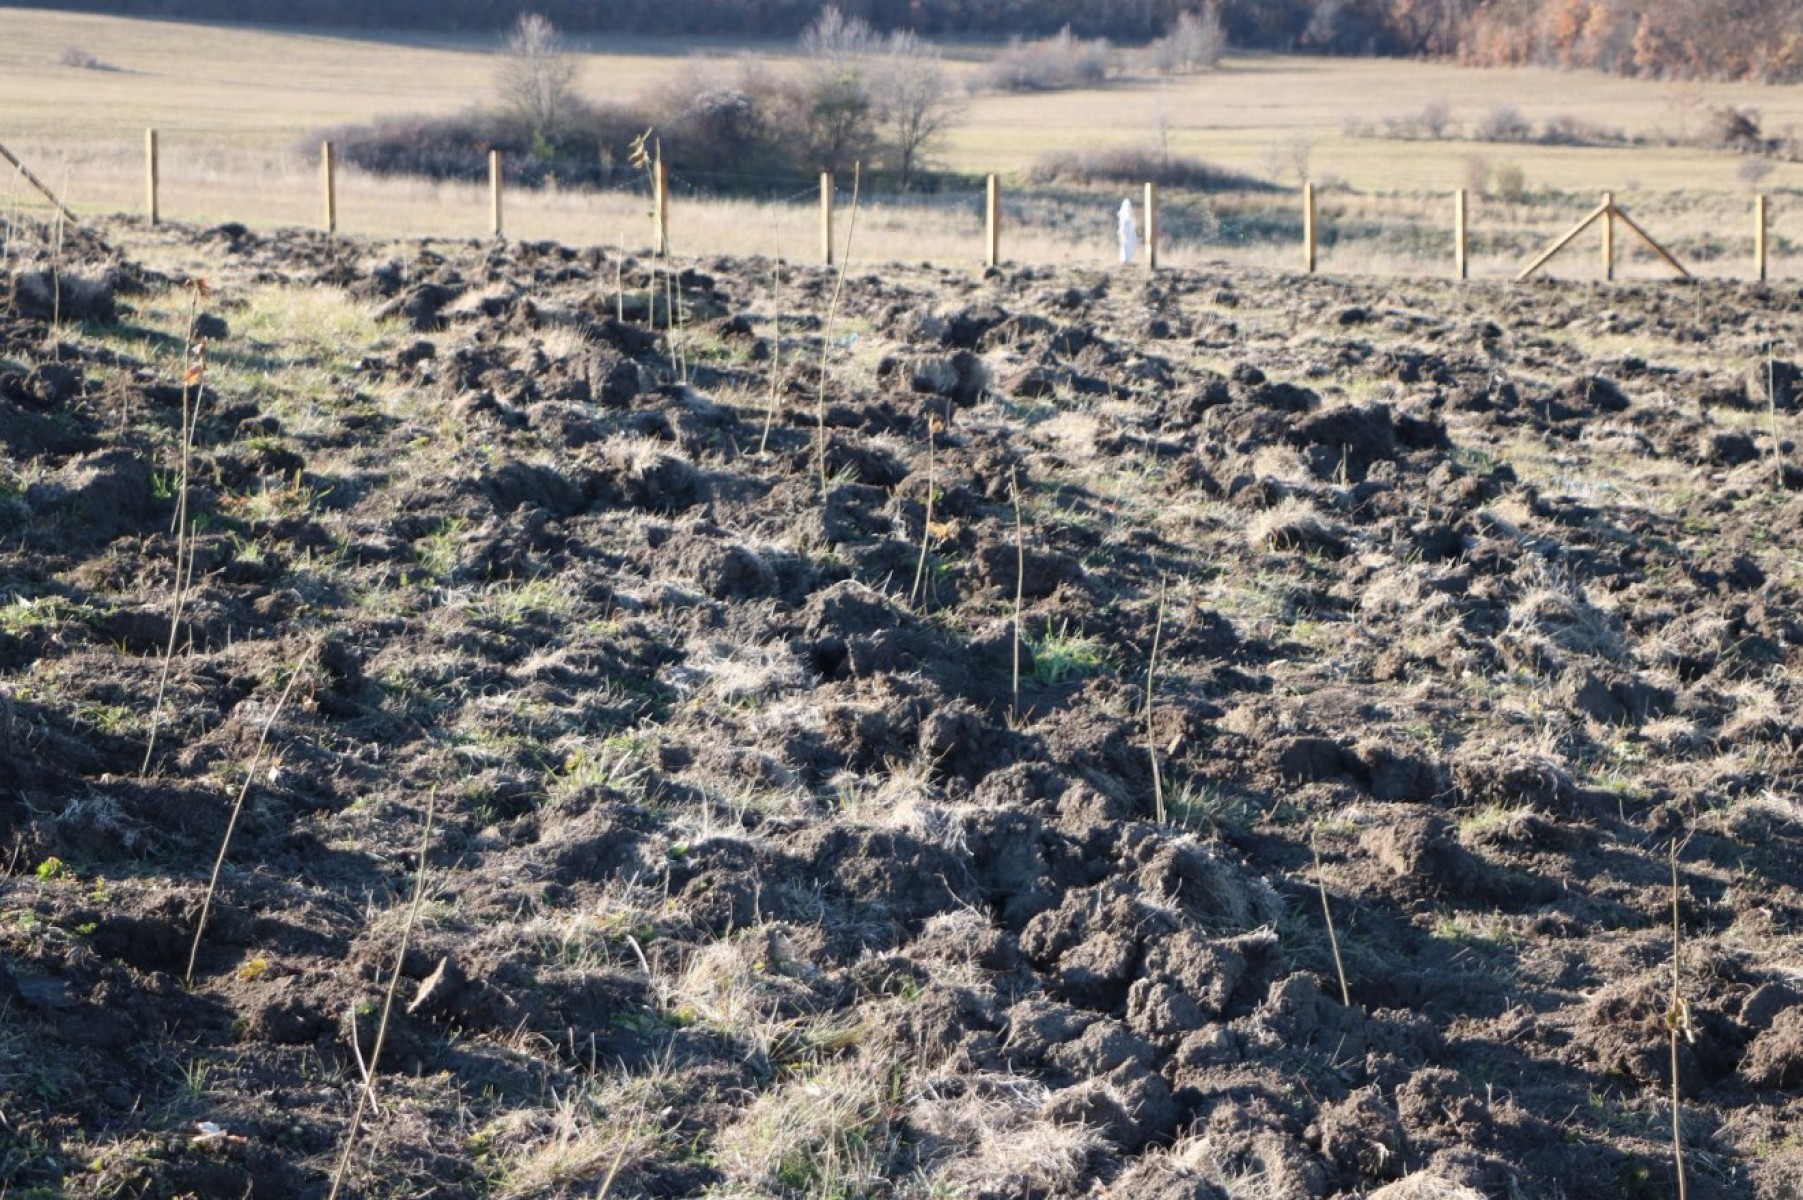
{"x":1295,"y":524}
{"x":825,"y":1133}
{"x":981,"y":1135}
{"x":588,"y":1138}
{"x":1425,"y":1186}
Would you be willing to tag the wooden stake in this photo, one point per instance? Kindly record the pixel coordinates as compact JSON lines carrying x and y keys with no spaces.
{"x":1761,"y":230}
{"x":328,"y":181}
{"x":37,"y":183}
{"x":1151,"y":227}
{"x":1308,"y":225}
{"x":992,"y":211}
{"x":1461,"y":239}
{"x":494,"y":193}
{"x":1608,"y":211}
{"x":826,"y":217}
{"x":661,"y":206}
{"x":150,"y":176}
{"x":1563,"y":241}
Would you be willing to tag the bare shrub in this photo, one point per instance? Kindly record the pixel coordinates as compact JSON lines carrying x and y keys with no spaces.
{"x":536,"y":78}
{"x":1137,"y":164}
{"x":1299,"y":149}
{"x":1568,"y":130}
{"x":837,"y":38}
{"x":1195,"y":43}
{"x":1477,"y":174}
{"x":915,"y":103}
{"x":83,"y":59}
{"x":1504,"y":123}
{"x":1288,"y":158}
{"x":1432,"y":122}
{"x":1735,"y":128}
{"x":1752,"y":171}
{"x":1511,"y":182}
{"x":1047,"y":64}
{"x":590,"y":150}
{"x":1436,"y":118}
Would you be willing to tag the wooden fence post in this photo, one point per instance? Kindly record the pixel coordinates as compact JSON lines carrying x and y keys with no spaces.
{"x":661,"y":206}
{"x":494,"y":193}
{"x":1308,"y":225}
{"x":150,"y":175}
{"x":1151,"y":226}
{"x":1609,"y":235}
{"x":826,"y":217}
{"x":328,"y":181}
{"x":1761,"y":232}
{"x":1461,"y":235}
{"x":992,"y":220}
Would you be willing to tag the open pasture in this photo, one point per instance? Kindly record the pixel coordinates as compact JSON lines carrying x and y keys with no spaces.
{"x":237,"y":107}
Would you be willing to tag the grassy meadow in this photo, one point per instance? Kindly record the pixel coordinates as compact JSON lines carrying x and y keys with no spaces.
{"x":237,"y":107}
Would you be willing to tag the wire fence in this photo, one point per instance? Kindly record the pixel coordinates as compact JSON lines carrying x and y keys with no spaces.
{"x":706,"y":213}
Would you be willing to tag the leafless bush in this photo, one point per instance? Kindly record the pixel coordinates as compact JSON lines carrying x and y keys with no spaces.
{"x":1288,"y":158}
{"x":1511,"y":182}
{"x":536,"y":78}
{"x":915,"y":103}
{"x":1568,"y":130}
{"x":1436,"y":119}
{"x":1735,"y":128}
{"x":1504,"y":123}
{"x":837,"y":38}
{"x":1431,"y":122}
{"x":1477,"y":174}
{"x":82,"y":58}
{"x":1752,"y":171}
{"x":1195,"y":43}
{"x":1046,"y":65}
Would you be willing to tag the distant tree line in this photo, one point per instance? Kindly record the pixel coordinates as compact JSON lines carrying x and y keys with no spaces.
{"x":1746,"y":39}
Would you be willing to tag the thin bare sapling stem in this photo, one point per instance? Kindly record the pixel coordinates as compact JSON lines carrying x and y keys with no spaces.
{"x":231,"y":824}
{"x":826,"y":333}
{"x":1151,"y":694}
{"x":194,"y":374}
{"x":366,"y":1093}
{"x":1333,"y":939}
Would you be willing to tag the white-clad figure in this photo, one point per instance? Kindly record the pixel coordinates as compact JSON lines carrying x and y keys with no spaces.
{"x":1129,"y":235}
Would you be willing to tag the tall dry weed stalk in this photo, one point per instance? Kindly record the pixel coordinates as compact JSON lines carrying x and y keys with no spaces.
{"x":1151,"y":695}
{"x":832,"y":315}
{"x":1677,"y":1024}
{"x":647,"y":154}
{"x":194,"y":376}
{"x":1020,"y":582}
{"x":57,"y":228}
{"x":231,"y":825}
{"x":776,"y":356}
{"x":366,"y":1093}
{"x":620,"y":282}
{"x":915,"y":593}
{"x":1771,"y":413}
{"x":1333,"y":939}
